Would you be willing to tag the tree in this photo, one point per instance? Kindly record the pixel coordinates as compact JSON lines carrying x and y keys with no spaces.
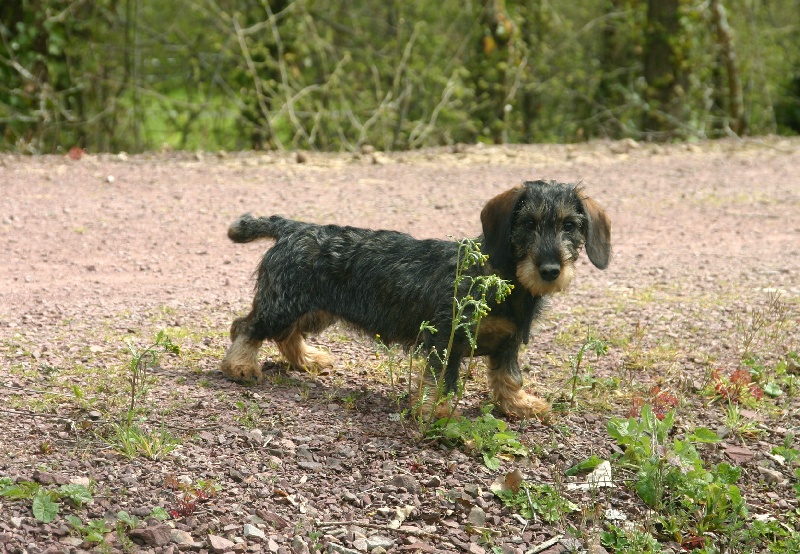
{"x":663,"y":69}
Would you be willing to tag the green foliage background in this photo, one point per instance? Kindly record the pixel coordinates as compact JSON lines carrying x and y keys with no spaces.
{"x":110,"y":75}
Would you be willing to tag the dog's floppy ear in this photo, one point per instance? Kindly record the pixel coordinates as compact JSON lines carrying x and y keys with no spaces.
{"x":597,"y":232}
{"x":496,"y":221}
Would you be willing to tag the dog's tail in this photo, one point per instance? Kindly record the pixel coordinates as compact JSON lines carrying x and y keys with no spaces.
{"x":248,"y":228}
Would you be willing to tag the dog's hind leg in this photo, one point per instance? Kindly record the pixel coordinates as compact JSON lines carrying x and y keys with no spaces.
{"x":294,"y":347}
{"x":505,"y":381}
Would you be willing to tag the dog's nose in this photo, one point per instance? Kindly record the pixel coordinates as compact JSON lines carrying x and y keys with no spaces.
{"x":550,"y":272}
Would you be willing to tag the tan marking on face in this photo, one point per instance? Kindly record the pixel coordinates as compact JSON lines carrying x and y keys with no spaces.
{"x":528,"y":275}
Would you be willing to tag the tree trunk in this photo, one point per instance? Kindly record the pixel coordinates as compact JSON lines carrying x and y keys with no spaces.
{"x":725,"y":39}
{"x":662,"y":71}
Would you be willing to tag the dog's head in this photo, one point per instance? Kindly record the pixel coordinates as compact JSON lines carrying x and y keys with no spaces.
{"x":535,"y":231}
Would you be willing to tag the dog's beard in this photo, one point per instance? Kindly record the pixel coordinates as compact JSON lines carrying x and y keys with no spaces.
{"x":529,"y":277}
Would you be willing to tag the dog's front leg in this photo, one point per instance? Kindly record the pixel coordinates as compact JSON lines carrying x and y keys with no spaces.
{"x":506,"y":383}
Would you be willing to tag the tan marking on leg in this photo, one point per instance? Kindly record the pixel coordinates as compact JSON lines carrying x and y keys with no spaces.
{"x":512,"y":400}
{"x":241,"y":359}
{"x":302,"y":356}
{"x":494,"y":331}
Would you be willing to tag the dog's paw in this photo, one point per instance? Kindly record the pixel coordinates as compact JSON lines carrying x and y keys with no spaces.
{"x":522,"y":405}
{"x":242,"y":373}
{"x":315,"y":358}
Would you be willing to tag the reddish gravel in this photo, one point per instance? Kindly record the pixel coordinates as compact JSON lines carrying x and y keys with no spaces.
{"x":114,"y":248}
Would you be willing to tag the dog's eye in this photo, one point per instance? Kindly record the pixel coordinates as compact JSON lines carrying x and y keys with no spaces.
{"x":569,"y":226}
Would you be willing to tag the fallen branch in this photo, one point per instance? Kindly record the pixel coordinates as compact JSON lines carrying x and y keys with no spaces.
{"x":545,"y":545}
{"x":407,"y":530}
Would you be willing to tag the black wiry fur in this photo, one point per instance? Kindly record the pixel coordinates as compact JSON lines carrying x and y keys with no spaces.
{"x":387,"y":283}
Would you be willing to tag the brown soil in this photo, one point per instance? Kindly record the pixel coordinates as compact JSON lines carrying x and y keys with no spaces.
{"x":113,"y":248}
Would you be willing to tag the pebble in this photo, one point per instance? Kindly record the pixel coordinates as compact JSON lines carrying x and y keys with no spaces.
{"x":771,"y":476}
{"x":477,"y":517}
{"x":252,"y":532}
{"x":408,"y":482}
{"x":379,"y":541}
{"x":219,"y":545}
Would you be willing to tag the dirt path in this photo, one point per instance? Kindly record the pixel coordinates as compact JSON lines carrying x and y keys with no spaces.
{"x":109,"y":249}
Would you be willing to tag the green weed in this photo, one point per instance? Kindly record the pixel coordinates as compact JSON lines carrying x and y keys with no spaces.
{"x":591,"y":344}
{"x":45,"y":502}
{"x":128,"y":437}
{"x":542,"y":500}
{"x":629,"y":541}
{"x":470,"y":305}
{"x":487,"y":437}
{"x":131,"y":440}
{"x":693,"y":503}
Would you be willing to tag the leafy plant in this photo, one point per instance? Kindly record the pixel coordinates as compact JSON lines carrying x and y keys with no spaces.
{"x":599,"y":347}
{"x":250,"y":413}
{"x":140,"y":363}
{"x":470,"y":305}
{"x":737,"y":387}
{"x":188,"y":495}
{"x":691,"y":500}
{"x":45,"y":507}
{"x":92,"y":531}
{"x":660,"y":401}
{"x":739,"y":424}
{"x":542,"y":500}
{"x":629,"y":541}
{"x":487,"y":437}
{"x":128,"y":437}
{"x":132,"y":440}
{"x":45,"y":502}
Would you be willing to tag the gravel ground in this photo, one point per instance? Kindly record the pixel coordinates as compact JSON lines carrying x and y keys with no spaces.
{"x":102,"y":252}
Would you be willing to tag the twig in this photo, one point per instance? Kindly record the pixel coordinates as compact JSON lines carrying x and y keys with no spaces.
{"x":11,"y":387}
{"x":545,"y":545}
{"x":406,"y":530}
{"x":33,"y":414}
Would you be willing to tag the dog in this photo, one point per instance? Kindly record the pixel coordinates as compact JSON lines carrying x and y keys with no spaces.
{"x":387,"y":283}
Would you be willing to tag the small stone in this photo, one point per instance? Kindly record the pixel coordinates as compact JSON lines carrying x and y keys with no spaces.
{"x":334,"y":548}
{"x":477,"y":517}
{"x":16,"y":522}
{"x":739,"y":454}
{"x":219,"y":544}
{"x":253,"y":532}
{"x":434,"y":482}
{"x":80,"y":480}
{"x":408,"y":482}
{"x":299,"y":546}
{"x":361,"y":545}
{"x":181,"y":537}
{"x":158,"y":535}
{"x":376,"y":541}
{"x":771,"y":476}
